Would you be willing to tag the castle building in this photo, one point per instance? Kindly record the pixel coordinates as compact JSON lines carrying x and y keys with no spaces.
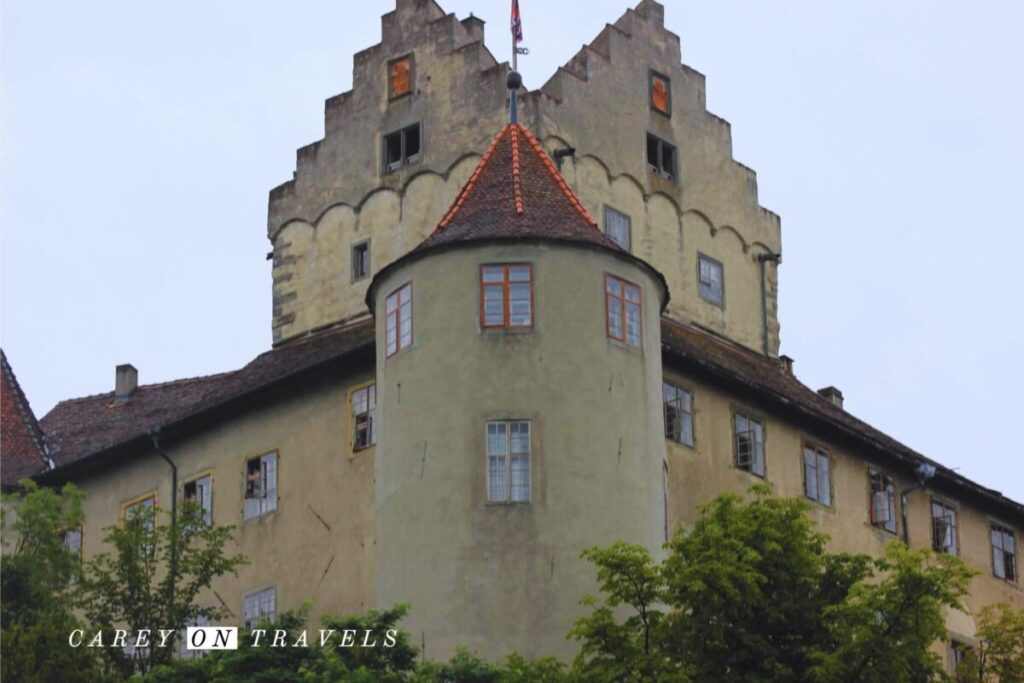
{"x":498,"y":343}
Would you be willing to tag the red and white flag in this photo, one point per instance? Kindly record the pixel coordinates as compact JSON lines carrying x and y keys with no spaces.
{"x":517,"y":23}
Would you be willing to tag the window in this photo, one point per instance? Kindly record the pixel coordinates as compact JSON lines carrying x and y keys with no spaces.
{"x":617,"y":227}
{"x":398,"y":310}
{"x":883,"y":500}
{"x":943,"y":527}
{"x":260,"y":485}
{"x":364,"y":417}
{"x":400,"y":77}
{"x":508,"y":461}
{"x":183,"y":651}
{"x":817,"y":482}
{"x":259,"y":605}
{"x":73,"y":545}
{"x":402,"y":148}
{"x":711,"y":282}
{"x":958,"y":654}
{"x":749,"y":434}
{"x":360,"y":260}
{"x":678,"y":414}
{"x":506,"y":295}
{"x":144,"y":508}
{"x":200,"y":490}
{"x":661,"y":93}
{"x":622,"y":308}
{"x":1004,"y":553}
{"x":661,"y":157}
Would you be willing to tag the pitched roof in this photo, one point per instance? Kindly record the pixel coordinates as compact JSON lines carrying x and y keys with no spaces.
{"x":516,"y":192}
{"x":22,"y":449}
{"x":83,"y":427}
{"x":763,"y":377}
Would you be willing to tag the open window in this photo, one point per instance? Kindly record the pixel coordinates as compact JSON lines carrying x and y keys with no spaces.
{"x":944,"y":532}
{"x":678,"y":403}
{"x":748,"y":435}
{"x":883,"y":500}
{"x":661,"y":157}
{"x":1004,"y":553}
{"x":260,"y":485}
{"x":200,"y":492}
{"x":401,"y":148}
{"x":364,"y":417}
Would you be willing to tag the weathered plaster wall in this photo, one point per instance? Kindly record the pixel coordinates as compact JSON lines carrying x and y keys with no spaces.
{"x":498,"y":578}
{"x":699,"y":474}
{"x":317,"y":545}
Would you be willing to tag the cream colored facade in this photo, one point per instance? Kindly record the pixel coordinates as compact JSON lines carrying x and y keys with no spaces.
{"x":407,"y":520}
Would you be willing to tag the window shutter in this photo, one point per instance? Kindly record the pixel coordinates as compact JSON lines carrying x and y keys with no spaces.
{"x":880,"y":508}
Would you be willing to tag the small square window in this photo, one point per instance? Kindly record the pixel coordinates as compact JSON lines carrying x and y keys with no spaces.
{"x":749,"y":443}
{"x":661,"y":93}
{"x":944,"y":537}
{"x":617,"y":227}
{"x":1004,"y":553}
{"x":200,"y":491}
{"x":678,"y":404}
{"x":401,"y":148}
{"x":364,"y":417}
{"x":622,"y":302}
{"x":817,"y":476}
{"x":398,"y":315}
{"x":260,"y":485}
{"x":711,"y":280}
{"x":259,"y":605}
{"x":661,"y":157}
{"x":508,"y":461}
{"x":401,"y":76}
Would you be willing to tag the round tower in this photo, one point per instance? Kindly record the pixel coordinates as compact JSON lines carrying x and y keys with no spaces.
{"x":519,"y":402}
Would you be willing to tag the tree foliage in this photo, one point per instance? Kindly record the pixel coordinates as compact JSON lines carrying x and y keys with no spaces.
{"x":35,"y":611}
{"x":131,"y":586}
{"x":999,"y":655}
{"x":751,"y":594}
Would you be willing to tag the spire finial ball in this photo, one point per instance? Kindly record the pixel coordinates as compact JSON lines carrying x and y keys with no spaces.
{"x":514,"y":80}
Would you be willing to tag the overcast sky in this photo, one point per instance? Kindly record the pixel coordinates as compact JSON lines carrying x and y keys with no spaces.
{"x":140,"y":139}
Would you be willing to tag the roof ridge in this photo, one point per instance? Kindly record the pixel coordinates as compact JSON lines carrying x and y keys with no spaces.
{"x":154,"y":385}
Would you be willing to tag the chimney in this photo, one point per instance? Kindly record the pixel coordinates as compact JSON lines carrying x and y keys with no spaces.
{"x":475,"y":26}
{"x":832,"y":394}
{"x":126,"y":380}
{"x":786,"y":364}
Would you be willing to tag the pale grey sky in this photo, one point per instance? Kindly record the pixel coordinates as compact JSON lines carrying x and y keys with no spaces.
{"x":139,"y":141}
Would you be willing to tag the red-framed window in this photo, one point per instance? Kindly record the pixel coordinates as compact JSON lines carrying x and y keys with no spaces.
{"x":398,"y":312}
{"x":622,"y":304}
{"x":506,"y":295}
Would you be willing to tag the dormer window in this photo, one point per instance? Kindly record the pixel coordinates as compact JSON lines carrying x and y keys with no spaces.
{"x":401,"y":148}
{"x":661,"y":157}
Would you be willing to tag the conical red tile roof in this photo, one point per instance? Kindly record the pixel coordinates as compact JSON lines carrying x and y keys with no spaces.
{"x":516,"y":193}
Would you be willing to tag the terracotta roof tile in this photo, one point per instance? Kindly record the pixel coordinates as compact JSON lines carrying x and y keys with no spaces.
{"x":22,"y":448}
{"x":516,"y":192}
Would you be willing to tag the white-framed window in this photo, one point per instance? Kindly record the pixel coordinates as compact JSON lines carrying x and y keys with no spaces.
{"x":622,"y":302}
{"x":398,"y":314}
{"x":364,"y":417}
{"x":678,"y":404}
{"x":711,"y":280}
{"x":73,"y":545}
{"x":617,"y":227}
{"x":257,"y":605}
{"x":749,"y":443}
{"x":883,"y":500}
{"x":508,"y":461}
{"x":200,"y":490}
{"x":817,"y":476}
{"x":944,"y":537}
{"x":1004,"y":553}
{"x":260,"y":485}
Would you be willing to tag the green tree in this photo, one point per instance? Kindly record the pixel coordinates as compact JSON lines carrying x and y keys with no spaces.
{"x":999,"y":656}
{"x":750,"y":594}
{"x":133,"y":588}
{"x":36,"y":615}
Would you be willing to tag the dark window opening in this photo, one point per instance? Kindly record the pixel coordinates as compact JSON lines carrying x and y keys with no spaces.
{"x":360,"y":260}
{"x":661,"y":157}
{"x":402,"y":148}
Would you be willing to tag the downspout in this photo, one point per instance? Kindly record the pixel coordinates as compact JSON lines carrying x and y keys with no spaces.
{"x":154,"y":434}
{"x":763,"y":259}
{"x":924,"y":472}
